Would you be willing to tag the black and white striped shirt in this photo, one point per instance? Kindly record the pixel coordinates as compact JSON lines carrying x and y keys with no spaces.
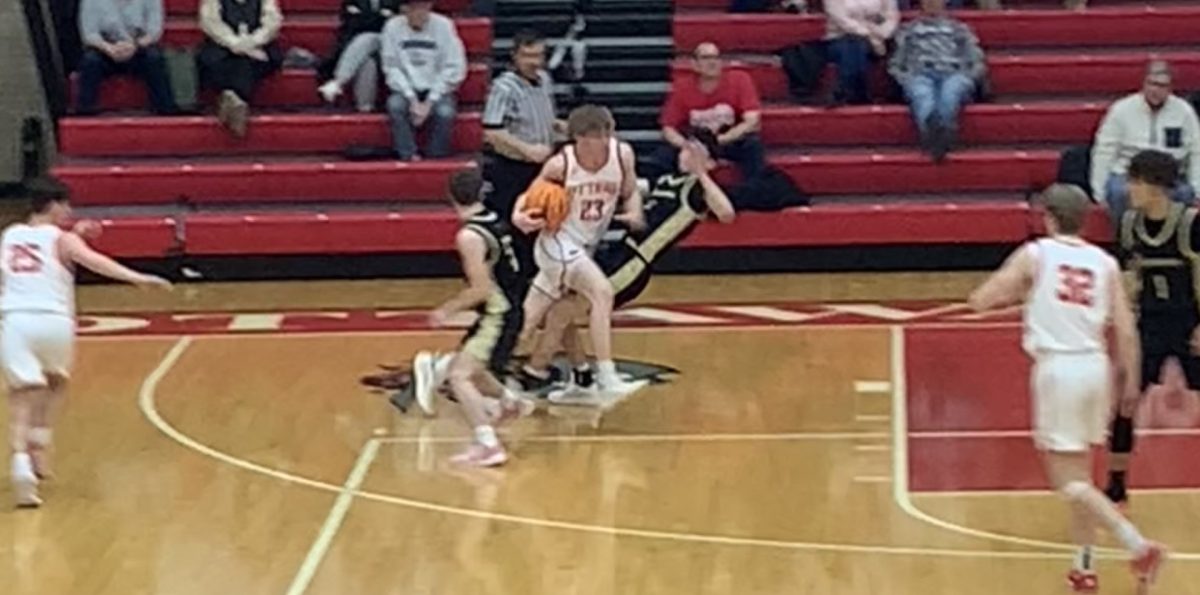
{"x":522,"y":108}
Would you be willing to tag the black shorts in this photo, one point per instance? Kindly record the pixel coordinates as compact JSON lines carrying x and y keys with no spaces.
{"x":1164,"y":336}
{"x":628,"y":272}
{"x":493,"y":337}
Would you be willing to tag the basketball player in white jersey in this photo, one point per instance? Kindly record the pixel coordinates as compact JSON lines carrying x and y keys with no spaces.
{"x":1072,"y":291}
{"x":598,"y":172}
{"x":37,"y":298}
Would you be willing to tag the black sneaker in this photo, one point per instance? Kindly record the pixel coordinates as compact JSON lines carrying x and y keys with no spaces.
{"x":583,"y":377}
{"x":536,"y":384}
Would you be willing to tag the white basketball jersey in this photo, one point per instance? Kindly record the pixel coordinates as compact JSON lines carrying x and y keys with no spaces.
{"x":34,"y":278}
{"x":593,"y":196}
{"x":1070,"y":303}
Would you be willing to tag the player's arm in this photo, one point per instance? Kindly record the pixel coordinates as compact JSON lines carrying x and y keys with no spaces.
{"x":716,"y":199}
{"x":74,"y":249}
{"x":553,"y":170}
{"x":1128,"y":344}
{"x":631,"y":207}
{"x":472,"y":251}
{"x":1006,"y":286}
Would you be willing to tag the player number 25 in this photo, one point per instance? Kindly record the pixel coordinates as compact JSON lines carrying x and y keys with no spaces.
{"x":1076,"y":285}
{"x":25,"y":258}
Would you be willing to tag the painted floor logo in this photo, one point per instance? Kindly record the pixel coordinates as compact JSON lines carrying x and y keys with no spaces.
{"x":397,"y":379}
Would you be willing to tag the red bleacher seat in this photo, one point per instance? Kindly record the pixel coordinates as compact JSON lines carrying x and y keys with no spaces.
{"x":316,"y":34}
{"x":245,"y":181}
{"x":892,"y":124}
{"x":289,"y":88}
{"x":1010,"y":28}
{"x":290,"y":133}
{"x":380,"y":232}
{"x":1022,"y":75}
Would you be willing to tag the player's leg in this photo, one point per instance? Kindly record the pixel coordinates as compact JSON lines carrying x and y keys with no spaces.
{"x":1121,"y":434}
{"x":27,"y":386}
{"x":536,"y":374}
{"x":586,"y":278}
{"x":55,"y":348}
{"x":485,"y":449}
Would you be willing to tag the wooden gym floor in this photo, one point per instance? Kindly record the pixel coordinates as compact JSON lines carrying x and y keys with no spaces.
{"x":831,"y":434}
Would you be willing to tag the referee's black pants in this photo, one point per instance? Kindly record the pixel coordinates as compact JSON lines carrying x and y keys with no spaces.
{"x":509,"y":178}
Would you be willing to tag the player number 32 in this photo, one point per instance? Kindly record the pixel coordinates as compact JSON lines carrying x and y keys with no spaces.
{"x":1076,"y":285}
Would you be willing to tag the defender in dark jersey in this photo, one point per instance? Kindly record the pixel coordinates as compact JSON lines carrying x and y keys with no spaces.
{"x":1159,"y":241}
{"x":676,"y":203}
{"x":495,"y":289}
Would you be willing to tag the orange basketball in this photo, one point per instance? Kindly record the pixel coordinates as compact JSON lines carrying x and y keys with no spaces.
{"x":549,"y":200}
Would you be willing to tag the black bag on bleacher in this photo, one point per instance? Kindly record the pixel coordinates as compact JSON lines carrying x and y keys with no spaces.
{"x":804,"y":65}
{"x":1075,"y":167}
{"x":769,"y":190}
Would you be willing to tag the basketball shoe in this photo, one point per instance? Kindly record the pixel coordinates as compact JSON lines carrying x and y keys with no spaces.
{"x":1147,"y":564}
{"x":1083,"y":581}
{"x":478,"y":455}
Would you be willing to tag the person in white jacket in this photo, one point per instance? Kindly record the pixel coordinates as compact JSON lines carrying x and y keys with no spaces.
{"x":423,"y":62}
{"x":1153,"y":118}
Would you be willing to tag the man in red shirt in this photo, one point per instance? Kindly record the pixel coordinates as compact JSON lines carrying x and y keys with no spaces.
{"x":725,"y":103}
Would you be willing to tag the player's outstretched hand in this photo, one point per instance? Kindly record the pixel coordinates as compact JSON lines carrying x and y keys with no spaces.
{"x":87,"y":229}
{"x":152,"y":281}
{"x":438,"y":318}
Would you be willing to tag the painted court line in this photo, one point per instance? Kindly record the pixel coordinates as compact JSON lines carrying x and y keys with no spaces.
{"x":782,"y":437}
{"x":1046,"y":493}
{"x":146,"y":402}
{"x":864,"y":417}
{"x":333,"y":522}
{"x":871,"y":387}
{"x":872,"y":479}
{"x":974,"y":434}
{"x":872,"y":447}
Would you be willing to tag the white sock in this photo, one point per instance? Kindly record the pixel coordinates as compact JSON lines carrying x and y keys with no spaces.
{"x":22,"y":465}
{"x":1083,"y":559}
{"x":40,"y":437}
{"x":486,"y":435}
{"x":1130,"y":537}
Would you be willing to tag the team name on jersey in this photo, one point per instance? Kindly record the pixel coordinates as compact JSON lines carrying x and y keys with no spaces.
{"x":593,"y":189}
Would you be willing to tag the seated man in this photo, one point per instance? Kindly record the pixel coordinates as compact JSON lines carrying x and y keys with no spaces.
{"x":424,"y":63}
{"x":1153,"y":118}
{"x":677,"y":202}
{"x":355,"y":58}
{"x":722,"y":102}
{"x":238,"y":52}
{"x":119,"y":38}
{"x":939,"y":63}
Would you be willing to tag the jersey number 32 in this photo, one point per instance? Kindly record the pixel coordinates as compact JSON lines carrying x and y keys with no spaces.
{"x":25,"y":258}
{"x":1076,"y":285}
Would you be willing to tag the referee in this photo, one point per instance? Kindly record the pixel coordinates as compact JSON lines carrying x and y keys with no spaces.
{"x":519,"y":126}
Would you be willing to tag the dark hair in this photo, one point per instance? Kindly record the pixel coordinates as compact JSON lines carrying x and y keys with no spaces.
{"x":526,"y":38}
{"x":1154,"y":167}
{"x":466,"y":187}
{"x":1068,"y":204}
{"x":43,"y":192}
{"x":590,"y":119}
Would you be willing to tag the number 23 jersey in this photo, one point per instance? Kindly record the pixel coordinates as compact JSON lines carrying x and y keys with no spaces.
{"x":1070,"y":301}
{"x":593,"y":197}
{"x":33,"y":275}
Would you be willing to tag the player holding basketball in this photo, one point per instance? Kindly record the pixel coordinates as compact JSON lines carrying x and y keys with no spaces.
{"x":1072,"y":291}
{"x":496,"y":287}
{"x":37,"y":261}
{"x":676,"y":204}
{"x":1160,"y":243}
{"x":597,"y":171}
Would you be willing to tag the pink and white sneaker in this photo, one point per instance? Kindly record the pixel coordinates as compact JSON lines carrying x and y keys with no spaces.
{"x":1083,"y":582}
{"x":478,"y":455}
{"x":1148,"y":563}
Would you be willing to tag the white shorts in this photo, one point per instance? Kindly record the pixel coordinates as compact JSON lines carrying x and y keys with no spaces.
{"x":34,"y":344}
{"x":1072,"y":400}
{"x":560,"y":263}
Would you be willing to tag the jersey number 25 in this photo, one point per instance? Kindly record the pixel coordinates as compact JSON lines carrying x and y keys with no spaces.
{"x":1076,"y":285}
{"x":25,"y":258}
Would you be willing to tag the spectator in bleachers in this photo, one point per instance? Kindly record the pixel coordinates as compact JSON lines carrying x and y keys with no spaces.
{"x":121,"y":36}
{"x":1153,"y":118}
{"x":238,"y":52}
{"x":722,"y":101}
{"x":424,"y":63}
{"x":356,"y":55}
{"x":519,"y":123}
{"x":857,"y":31}
{"x":938,"y":62}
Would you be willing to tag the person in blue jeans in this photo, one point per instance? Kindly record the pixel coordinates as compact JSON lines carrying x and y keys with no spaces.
{"x":122,"y":38}
{"x":938,"y":62}
{"x":857,"y":31}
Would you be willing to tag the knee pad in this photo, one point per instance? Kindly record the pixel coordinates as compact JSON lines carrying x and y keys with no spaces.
{"x":1122,"y":439}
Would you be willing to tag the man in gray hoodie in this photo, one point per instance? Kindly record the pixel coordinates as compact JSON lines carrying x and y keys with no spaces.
{"x":424,"y":62}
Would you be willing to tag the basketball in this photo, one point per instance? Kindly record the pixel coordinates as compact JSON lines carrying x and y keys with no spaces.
{"x":549,"y":200}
